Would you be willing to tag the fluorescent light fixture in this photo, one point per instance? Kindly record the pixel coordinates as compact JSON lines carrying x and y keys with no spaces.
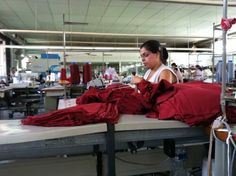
{"x":75,"y":23}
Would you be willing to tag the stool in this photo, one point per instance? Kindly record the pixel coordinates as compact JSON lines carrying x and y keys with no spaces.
{"x":28,"y":105}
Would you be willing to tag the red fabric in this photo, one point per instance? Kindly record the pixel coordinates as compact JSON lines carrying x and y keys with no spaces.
{"x":226,"y":24}
{"x":77,"y":115}
{"x":93,"y":107}
{"x":87,"y":73}
{"x":151,"y":91}
{"x":126,"y":99}
{"x":133,"y":104}
{"x":194,"y":103}
{"x":231,"y":114}
{"x":63,"y":74}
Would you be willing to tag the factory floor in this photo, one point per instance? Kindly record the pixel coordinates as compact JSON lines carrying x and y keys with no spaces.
{"x":147,"y":163}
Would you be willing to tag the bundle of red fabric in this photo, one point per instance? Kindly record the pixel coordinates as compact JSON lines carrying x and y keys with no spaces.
{"x":77,"y":115}
{"x":93,"y":107}
{"x":127,"y":100}
{"x":193,"y":103}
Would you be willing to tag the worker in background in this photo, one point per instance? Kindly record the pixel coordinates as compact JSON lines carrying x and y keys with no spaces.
{"x":198,"y":73}
{"x":154,"y":57}
{"x":50,"y":78}
{"x":177,"y":71}
{"x":128,"y":78}
{"x":41,"y":78}
{"x":12,"y":75}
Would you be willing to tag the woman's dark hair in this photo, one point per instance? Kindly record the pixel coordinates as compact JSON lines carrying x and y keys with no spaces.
{"x":154,"y":46}
{"x":173,"y":64}
{"x":198,"y":67}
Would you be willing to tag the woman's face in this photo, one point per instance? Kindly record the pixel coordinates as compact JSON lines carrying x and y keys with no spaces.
{"x":149,"y":59}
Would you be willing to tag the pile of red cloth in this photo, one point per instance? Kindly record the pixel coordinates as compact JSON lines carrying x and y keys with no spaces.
{"x":194,"y":103}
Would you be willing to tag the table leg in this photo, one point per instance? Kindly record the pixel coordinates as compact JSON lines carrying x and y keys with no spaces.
{"x":220,"y":167}
{"x":110,"y":148}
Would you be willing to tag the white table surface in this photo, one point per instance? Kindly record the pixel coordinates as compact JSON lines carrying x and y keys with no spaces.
{"x":3,"y":91}
{"x":140,"y":122}
{"x":12,"y":131}
{"x":54,"y":88}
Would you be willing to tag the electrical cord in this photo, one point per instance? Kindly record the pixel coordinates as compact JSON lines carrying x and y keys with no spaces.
{"x":142,"y":164}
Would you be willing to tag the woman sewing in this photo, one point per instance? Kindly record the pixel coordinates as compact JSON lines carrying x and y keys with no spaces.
{"x":154,"y":57}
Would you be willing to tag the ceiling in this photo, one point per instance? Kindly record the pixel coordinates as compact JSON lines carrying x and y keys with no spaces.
{"x":113,"y":23}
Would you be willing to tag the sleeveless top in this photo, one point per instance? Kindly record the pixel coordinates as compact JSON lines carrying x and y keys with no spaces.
{"x":156,"y":75}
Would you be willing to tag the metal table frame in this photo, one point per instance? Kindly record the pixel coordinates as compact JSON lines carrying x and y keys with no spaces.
{"x":106,"y":141}
{"x":119,"y":134}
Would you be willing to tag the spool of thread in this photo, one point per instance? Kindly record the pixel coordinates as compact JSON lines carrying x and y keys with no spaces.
{"x":87,"y":73}
{"x":63,"y":74}
{"x":74,"y":74}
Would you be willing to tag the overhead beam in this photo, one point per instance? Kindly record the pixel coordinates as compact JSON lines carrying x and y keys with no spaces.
{"x":193,"y":2}
{"x":98,"y":34}
{"x":99,"y":49}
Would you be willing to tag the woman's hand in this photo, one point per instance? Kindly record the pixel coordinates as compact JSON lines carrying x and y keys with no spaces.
{"x":136,"y":79}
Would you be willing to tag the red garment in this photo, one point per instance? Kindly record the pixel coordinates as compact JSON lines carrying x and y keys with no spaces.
{"x":77,"y":115}
{"x":110,"y":94}
{"x":193,"y":103}
{"x":126,"y":99}
{"x":93,"y":107}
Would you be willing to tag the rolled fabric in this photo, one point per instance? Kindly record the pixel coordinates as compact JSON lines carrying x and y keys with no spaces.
{"x":63,"y":74}
{"x":87,"y":73}
{"x":74,"y":74}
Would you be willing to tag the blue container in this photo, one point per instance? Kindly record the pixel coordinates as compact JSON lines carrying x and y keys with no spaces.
{"x":219,"y":71}
{"x":230,"y":70}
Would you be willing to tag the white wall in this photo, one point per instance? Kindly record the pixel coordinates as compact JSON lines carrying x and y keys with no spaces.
{"x":191,"y":59}
{"x":103,"y":57}
{"x":3,"y":68}
{"x":41,"y":65}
